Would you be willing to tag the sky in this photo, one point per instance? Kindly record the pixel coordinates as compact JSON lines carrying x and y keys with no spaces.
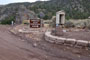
{"x":14,"y":1}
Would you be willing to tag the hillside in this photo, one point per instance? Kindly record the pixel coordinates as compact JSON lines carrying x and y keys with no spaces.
{"x":15,"y":12}
{"x":75,"y":9}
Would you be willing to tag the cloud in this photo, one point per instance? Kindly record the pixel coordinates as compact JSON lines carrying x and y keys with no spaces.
{"x":12,"y":1}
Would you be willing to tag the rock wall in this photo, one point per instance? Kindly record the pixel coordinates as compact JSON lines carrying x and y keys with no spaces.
{"x":66,"y":41}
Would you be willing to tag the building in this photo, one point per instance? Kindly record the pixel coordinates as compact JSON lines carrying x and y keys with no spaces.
{"x":60,"y":18}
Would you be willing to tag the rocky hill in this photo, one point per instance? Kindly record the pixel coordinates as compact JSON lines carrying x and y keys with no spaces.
{"x":75,"y":9}
{"x":17,"y":12}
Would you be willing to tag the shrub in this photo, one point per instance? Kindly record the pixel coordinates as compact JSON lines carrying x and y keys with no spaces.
{"x":53,"y":23}
{"x":80,"y":24}
{"x":88,"y":24}
{"x":8,"y":20}
{"x":25,"y":22}
{"x":69,"y":24}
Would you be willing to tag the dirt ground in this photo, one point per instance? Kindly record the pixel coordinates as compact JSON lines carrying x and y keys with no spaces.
{"x":79,"y":34}
{"x":13,"y":47}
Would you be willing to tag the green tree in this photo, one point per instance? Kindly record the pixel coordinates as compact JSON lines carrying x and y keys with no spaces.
{"x":8,"y":20}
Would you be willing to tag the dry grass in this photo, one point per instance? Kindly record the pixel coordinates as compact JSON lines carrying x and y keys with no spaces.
{"x":79,"y":23}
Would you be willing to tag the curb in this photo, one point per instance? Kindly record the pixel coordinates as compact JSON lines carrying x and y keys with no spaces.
{"x":67,"y":41}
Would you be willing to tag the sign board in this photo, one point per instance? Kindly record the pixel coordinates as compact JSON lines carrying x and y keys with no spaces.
{"x":35,"y":23}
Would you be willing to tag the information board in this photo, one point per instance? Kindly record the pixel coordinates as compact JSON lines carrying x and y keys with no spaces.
{"x":35,"y":23}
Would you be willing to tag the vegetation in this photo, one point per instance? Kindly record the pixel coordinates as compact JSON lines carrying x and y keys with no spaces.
{"x":25,"y":22}
{"x":69,"y":24}
{"x":75,"y":9}
{"x":78,"y":23}
{"x":8,"y":20}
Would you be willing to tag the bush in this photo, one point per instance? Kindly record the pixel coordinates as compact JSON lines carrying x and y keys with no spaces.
{"x":25,"y":22}
{"x":69,"y":24}
{"x":8,"y":20}
{"x":53,"y":23}
{"x":80,"y":24}
{"x":88,"y":24}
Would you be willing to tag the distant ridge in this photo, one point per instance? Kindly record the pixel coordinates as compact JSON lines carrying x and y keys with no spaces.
{"x":75,"y":9}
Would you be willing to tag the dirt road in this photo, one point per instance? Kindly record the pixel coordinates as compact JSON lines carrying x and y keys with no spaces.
{"x":15,"y":48}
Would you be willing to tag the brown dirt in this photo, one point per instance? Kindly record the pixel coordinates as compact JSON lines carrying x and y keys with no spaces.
{"x":78,"y":35}
{"x":16,"y":48}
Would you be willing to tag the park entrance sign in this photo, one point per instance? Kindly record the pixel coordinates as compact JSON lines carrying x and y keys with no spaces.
{"x":35,"y":23}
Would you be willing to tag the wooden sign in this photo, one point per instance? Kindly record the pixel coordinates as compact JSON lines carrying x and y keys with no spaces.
{"x":35,"y":23}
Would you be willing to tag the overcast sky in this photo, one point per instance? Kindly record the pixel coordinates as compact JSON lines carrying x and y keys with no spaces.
{"x":12,"y":1}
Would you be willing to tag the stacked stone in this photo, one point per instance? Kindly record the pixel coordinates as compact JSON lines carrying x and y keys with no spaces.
{"x":66,"y":41}
{"x":59,"y":31}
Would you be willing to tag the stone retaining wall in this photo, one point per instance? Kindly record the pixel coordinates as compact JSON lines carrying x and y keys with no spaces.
{"x":67,"y":41}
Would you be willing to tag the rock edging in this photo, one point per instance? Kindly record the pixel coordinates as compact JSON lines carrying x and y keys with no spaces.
{"x":68,"y":41}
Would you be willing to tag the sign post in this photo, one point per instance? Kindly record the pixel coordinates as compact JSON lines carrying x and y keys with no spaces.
{"x":35,"y":23}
